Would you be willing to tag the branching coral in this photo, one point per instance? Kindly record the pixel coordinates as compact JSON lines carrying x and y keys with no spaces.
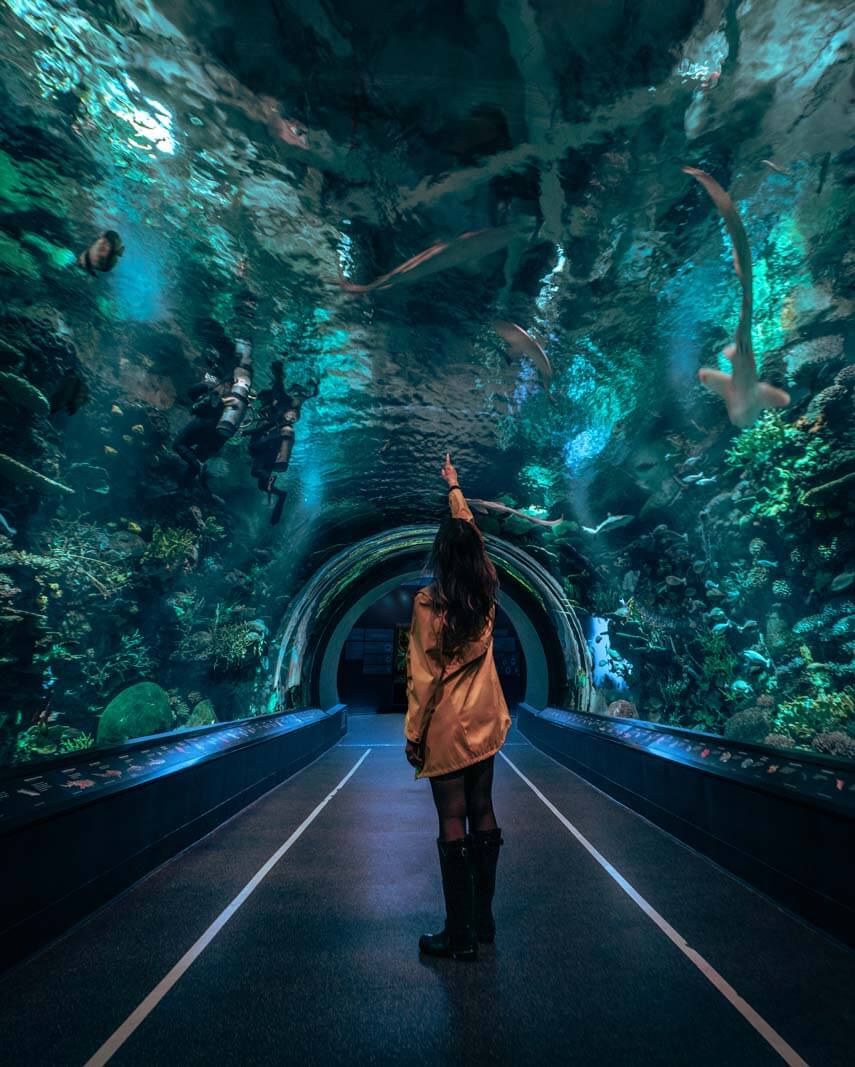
{"x":132,"y":660}
{"x":778,"y":459}
{"x":803,"y":717}
{"x":238,"y":645}
{"x":171,"y":546}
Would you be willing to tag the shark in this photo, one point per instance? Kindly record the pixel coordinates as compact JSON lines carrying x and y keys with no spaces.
{"x":521,"y":343}
{"x":484,"y":506}
{"x":445,"y":254}
{"x":744,"y":395}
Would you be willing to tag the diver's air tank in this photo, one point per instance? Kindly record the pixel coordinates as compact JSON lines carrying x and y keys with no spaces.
{"x":234,"y":415}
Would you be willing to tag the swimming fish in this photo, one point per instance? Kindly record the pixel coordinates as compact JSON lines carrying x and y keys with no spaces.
{"x":103,"y":254}
{"x":472,"y":245}
{"x":720,"y":627}
{"x":673,"y":580}
{"x":744,"y":395}
{"x":521,"y":343}
{"x":611,"y":522}
{"x":503,"y":509}
{"x":774,"y":166}
{"x":70,"y":394}
{"x":6,"y":526}
{"x":756,"y":657}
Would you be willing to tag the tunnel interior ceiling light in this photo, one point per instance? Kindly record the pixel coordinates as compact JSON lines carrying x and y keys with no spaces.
{"x":355,"y":575}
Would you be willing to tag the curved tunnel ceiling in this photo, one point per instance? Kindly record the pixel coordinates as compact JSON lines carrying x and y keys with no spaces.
{"x":316,"y":625}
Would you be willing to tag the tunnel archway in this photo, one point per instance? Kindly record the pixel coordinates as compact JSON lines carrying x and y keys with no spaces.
{"x":320,"y":617}
{"x":371,"y":673}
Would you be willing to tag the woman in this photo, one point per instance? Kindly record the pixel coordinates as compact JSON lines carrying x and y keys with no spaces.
{"x":456,"y":722}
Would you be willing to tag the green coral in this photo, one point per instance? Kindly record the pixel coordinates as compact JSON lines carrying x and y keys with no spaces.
{"x":132,"y":659}
{"x":238,"y":645}
{"x":803,"y":717}
{"x":719,"y":663}
{"x":171,"y":546}
{"x":41,"y":740}
{"x":777,"y":459}
{"x":76,"y":742}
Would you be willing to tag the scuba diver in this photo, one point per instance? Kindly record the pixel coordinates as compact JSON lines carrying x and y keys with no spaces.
{"x":218,"y":411}
{"x":271,"y":438}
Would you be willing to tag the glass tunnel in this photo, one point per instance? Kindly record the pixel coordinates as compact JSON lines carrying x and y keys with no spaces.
{"x":296,"y":294}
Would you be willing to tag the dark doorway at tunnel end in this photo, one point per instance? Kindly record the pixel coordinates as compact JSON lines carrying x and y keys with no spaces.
{"x":372,"y":666}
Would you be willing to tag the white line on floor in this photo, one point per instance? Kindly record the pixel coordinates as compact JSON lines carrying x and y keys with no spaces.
{"x":113,"y":1043}
{"x":785,"y":1051}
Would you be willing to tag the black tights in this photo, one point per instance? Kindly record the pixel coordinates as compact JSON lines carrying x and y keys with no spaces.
{"x":464,"y":794}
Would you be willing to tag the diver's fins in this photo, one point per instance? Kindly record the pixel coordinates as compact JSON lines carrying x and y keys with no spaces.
{"x":276,"y":514}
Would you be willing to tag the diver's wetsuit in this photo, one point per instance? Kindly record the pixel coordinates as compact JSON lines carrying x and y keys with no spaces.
{"x":199,"y":441}
{"x":271,"y":439}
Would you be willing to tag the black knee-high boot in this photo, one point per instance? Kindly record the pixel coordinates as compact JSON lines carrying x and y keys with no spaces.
{"x":457,"y":939}
{"x":485,"y":845}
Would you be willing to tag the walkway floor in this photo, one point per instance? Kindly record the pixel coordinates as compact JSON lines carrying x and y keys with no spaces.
{"x":319,"y":964}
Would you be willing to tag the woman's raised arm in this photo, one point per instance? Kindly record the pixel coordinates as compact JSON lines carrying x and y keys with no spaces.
{"x":456,"y":499}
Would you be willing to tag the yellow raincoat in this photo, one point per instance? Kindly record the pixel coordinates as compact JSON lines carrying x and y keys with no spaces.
{"x":456,"y":711}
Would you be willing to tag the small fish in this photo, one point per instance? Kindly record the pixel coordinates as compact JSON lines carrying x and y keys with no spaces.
{"x":690,"y":479}
{"x":706,"y":481}
{"x":385,"y":447}
{"x":6,"y":526}
{"x":749,"y":624}
{"x":116,"y":410}
{"x":756,"y":657}
{"x":842,"y":581}
{"x":483,"y":506}
{"x":135,"y":527}
{"x":766,"y":563}
{"x":110,"y":451}
{"x":775,"y":167}
{"x":673,"y":580}
{"x":603,"y":663}
{"x":720,"y":627}
{"x":611,"y":522}
{"x":138,"y":428}
{"x":699,"y":566}
{"x":691,"y":461}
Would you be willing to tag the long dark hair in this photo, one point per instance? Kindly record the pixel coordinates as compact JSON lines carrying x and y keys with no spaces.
{"x":465,"y":583}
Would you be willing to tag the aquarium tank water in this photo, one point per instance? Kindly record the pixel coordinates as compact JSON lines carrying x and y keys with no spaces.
{"x":262,"y":265}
